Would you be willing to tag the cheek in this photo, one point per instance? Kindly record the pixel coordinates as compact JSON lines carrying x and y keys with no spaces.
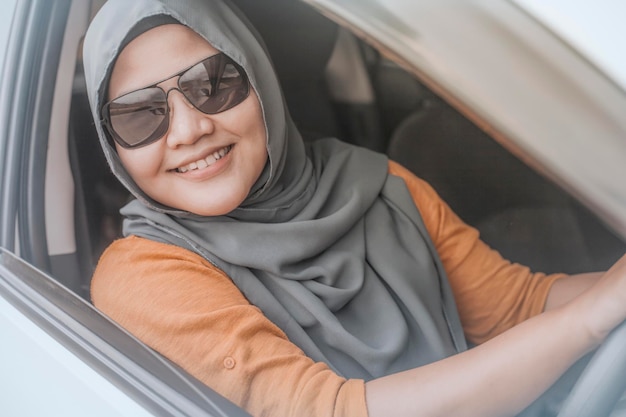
{"x":252,"y":132}
{"x":260,"y":144}
{"x":141,"y":163}
{"x":262,"y":148}
{"x":257,"y":126}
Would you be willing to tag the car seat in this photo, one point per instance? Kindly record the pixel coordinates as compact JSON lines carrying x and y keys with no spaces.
{"x":300,"y":42}
{"x":517,"y":212}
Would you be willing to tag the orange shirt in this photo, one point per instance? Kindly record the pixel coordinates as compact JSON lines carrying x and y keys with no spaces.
{"x":191,"y":312}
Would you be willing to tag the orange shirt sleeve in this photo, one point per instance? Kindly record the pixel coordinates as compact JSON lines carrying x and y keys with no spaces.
{"x":491,"y":293}
{"x":183,"y":307}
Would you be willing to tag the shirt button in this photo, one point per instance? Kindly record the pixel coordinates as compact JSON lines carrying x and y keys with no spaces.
{"x":229,"y":363}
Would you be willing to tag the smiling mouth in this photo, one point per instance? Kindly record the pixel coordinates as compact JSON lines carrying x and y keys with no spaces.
{"x":206,"y":162}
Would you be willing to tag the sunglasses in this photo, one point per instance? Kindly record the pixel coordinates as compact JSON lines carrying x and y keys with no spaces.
{"x":141,"y":117}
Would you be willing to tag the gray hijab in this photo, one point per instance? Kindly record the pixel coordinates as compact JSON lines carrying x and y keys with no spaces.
{"x":328,"y":245}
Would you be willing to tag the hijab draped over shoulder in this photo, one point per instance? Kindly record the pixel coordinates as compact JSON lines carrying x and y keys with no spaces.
{"x":329,"y":246}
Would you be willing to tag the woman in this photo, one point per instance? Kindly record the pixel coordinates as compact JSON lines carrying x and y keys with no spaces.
{"x":319,"y":280}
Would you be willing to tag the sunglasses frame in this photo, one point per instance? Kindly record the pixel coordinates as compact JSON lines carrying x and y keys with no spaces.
{"x":159,"y":132}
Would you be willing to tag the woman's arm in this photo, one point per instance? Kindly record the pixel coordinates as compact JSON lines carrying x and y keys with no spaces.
{"x":566,"y":289}
{"x":491,"y":293}
{"x":505,"y":374}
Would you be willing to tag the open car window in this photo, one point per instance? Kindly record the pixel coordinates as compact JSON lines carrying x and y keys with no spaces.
{"x":515,"y":80}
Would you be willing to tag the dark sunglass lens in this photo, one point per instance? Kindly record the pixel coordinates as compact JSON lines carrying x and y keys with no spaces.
{"x":136,"y":116}
{"x":214,"y":85}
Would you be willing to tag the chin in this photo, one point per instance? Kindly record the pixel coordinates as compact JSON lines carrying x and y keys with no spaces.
{"x":212,"y":210}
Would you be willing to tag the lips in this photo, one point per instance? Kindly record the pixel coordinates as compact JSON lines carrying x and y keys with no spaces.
{"x":205,"y":162}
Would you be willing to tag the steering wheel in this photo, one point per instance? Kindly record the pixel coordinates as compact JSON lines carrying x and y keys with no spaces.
{"x":603,"y":381}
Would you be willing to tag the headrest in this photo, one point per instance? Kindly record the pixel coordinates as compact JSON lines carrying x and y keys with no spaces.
{"x":299,"y":39}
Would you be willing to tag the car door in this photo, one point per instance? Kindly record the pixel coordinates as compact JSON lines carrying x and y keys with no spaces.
{"x":60,"y":356}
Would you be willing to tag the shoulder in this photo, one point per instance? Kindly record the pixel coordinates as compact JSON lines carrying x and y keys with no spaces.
{"x":138,"y":249}
{"x":140,"y":271}
{"x":434,"y":211}
{"x":416,"y":185}
{"x":135,"y":258}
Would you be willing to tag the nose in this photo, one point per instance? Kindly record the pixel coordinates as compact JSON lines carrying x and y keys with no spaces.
{"x":187,"y":124}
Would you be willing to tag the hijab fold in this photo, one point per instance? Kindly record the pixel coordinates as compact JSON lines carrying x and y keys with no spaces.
{"x":329,"y":246}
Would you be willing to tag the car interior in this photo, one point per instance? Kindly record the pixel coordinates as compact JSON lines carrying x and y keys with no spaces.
{"x":337,"y":85}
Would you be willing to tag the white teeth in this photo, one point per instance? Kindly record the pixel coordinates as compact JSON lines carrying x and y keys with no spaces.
{"x":219,"y":154}
{"x":206,"y":162}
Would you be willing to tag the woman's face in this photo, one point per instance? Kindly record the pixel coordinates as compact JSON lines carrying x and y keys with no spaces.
{"x":185,"y":169}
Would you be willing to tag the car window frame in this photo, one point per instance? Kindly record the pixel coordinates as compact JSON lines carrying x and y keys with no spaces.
{"x":30,"y":70}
